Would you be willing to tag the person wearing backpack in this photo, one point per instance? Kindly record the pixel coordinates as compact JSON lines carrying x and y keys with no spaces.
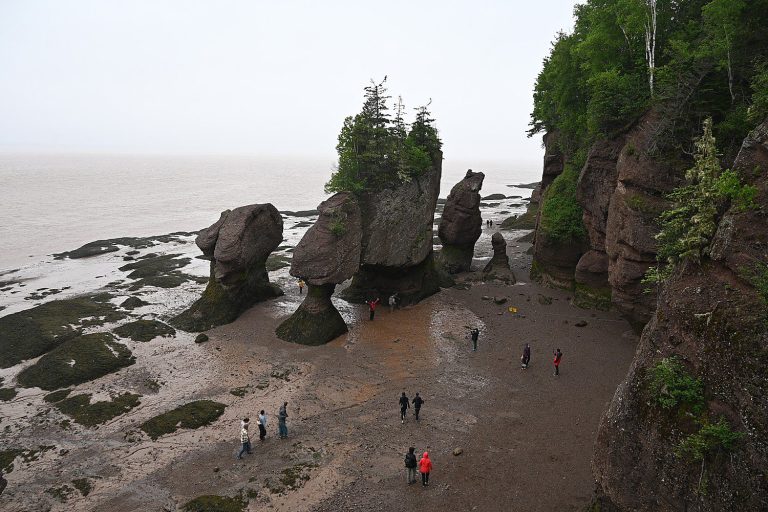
{"x":410,"y":466}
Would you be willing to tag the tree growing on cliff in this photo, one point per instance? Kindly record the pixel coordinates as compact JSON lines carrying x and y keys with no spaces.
{"x":376,"y":151}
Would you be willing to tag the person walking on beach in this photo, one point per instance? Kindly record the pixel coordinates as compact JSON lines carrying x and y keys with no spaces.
{"x":404,"y":405}
{"x":392,"y":302}
{"x":282,"y":415}
{"x":417,"y":401}
{"x":425,"y":467}
{"x":410,"y":466}
{"x":372,"y":306}
{"x":262,"y":422}
{"x":245,"y":438}
{"x":475,"y":333}
{"x":301,"y":286}
{"x":556,"y":361}
{"x":526,"y":358}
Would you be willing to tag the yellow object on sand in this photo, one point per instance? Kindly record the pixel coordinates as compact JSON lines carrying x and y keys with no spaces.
{"x":512,"y":309}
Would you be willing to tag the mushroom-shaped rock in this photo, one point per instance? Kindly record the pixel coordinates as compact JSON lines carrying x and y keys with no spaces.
{"x":461,"y":224}
{"x":397,"y":238}
{"x":498,"y":268}
{"x":328,"y":254}
{"x":238,"y":245}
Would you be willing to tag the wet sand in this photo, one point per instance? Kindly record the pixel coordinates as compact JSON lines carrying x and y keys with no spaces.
{"x":526,"y":435}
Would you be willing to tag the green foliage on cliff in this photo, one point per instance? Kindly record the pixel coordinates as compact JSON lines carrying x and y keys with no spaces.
{"x":561,"y":214}
{"x":687,"y":228}
{"x":671,"y":385}
{"x":699,"y":58}
{"x":377,"y":151}
{"x":712,"y":437}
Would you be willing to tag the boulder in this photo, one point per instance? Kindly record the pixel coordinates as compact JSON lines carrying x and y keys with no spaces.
{"x":461,"y":224}
{"x":498,"y":268}
{"x":396,"y":253}
{"x":328,"y":254}
{"x":238,"y":245}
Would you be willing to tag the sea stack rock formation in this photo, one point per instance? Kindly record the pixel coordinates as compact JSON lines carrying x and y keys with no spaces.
{"x":238,"y":245}
{"x":498,"y":268}
{"x":461,"y":224}
{"x":328,"y":254}
{"x":707,"y":451}
{"x":397,"y":236}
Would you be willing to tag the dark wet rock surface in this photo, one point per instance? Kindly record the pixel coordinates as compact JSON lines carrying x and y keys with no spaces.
{"x":461,"y":223}
{"x":144,"y":330}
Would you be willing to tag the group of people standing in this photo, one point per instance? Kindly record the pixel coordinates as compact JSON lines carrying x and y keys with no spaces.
{"x":525,"y":359}
{"x":261,"y":422}
{"x":424,"y":466}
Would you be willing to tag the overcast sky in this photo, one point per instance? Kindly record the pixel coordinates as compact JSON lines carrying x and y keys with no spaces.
{"x":270,"y":77}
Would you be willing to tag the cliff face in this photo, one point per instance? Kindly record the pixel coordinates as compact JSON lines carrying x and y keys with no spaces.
{"x":713,"y":319}
{"x":461,"y":223}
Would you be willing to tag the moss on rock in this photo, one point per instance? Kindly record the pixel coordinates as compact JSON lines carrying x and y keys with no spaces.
{"x":33,"y":332}
{"x":213,"y":503}
{"x":192,"y":415}
{"x":456,"y":259}
{"x":80,"y":408}
{"x":588,"y":297}
{"x":76,"y":361}
{"x":316,"y":321}
{"x":144,"y":330}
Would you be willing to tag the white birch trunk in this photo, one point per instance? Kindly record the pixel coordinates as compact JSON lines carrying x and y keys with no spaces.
{"x":650,"y":42}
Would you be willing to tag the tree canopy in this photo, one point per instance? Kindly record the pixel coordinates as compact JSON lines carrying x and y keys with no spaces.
{"x":691,"y":59}
{"x":376,"y":150}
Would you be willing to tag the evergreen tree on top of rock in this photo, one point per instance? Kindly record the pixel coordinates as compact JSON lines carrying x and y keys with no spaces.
{"x":377,"y":151}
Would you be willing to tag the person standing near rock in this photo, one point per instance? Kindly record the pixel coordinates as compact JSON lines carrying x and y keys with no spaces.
{"x":404,"y":405}
{"x":372,"y":306}
{"x":301,"y":286}
{"x":262,"y":422}
{"x":410,"y":466}
{"x":392,"y":302}
{"x":282,"y":415}
{"x":425,"y":468}
{"x":245,"y":438}
{"x":475,"y":334}
{"x":556,"y":361}
{"x":526,"y":358}
{"x":417,"y":401}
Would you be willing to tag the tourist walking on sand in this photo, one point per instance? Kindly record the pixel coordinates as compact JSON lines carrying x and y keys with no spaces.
{"x":417,"y":401}
{"x":410,"y":466}
{"x":301,"y":286}
{"x":525,"y":360}
{"x":262,"y":422}
{"x":282,"y":415}
{"x":474,"y":333}
{"x":245,"y":438}
{"x":372,"y":306}
{"x":404,"y":405}
{"x":425,"y":467}
{"x":392,"y":302}
{"x":556,"y":361}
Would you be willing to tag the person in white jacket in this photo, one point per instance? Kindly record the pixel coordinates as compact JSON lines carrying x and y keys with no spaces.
{"x":245,"y":438}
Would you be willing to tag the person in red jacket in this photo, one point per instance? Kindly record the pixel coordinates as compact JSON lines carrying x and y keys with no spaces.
{"x":558,"y":356}
{"x":372,"y":306}
{"x":425,"y":466}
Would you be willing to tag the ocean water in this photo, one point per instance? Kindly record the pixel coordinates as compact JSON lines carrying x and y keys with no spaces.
{"x":56,"y":202}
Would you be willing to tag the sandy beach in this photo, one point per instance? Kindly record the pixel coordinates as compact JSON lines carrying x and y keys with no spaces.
{"x":526,"y":436}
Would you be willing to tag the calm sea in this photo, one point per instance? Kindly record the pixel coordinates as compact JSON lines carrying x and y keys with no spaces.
{"x":52,"y":203}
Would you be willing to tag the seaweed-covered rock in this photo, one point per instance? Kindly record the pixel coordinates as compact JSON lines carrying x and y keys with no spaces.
{"x":144,"y":330}
{"x":192,"y":415}
{"x":498,"y":268}
{"x":33,"y":332}
{"x":396,"y":254}
{"x":316,"y":321}
{"x":328,"y":254}
{"x":238,"y":244}
{"x":461,"y":223}
{"x":75,"y":361}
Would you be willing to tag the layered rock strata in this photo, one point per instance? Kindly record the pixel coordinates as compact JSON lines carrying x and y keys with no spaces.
{"x":328,"y":254}
{"x":238,"y":245}
{"x":461,"y":223}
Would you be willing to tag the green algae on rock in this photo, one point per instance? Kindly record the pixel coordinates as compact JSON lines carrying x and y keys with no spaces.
{"x":192,"y":415}
{"x":214,"y":503}
{"x":33,"y":332}
{"x":77,"y":360}
{"x":144,"y":330}
{"x":80,"y":408}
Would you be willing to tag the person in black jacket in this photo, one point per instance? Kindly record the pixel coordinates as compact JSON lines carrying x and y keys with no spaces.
{"x":410,"y":466}
{"x":404,"y":404}
{"x":417,"y":401}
